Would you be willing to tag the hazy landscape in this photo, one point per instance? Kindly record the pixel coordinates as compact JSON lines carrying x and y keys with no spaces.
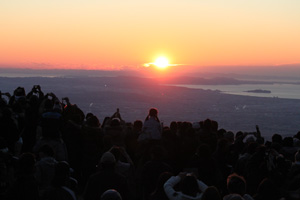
{"x":135,"y":95}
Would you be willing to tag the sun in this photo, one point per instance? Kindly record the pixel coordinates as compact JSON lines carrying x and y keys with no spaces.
{"x":161,"y":62}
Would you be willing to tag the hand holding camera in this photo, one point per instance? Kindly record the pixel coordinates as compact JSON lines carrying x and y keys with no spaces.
{"x":36,"y":88}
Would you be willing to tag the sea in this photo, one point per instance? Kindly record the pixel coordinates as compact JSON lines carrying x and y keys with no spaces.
{"x":277,"y":90}
{"x":278,"y":113}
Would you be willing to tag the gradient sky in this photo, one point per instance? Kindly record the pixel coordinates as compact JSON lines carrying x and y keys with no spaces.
{"x":111,"y":34}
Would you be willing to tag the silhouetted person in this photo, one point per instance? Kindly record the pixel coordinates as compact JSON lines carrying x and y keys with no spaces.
{"x":159,"y":192}
{"x":9,"y":129}
{"x":205,"y":165}
{"x":106,"y":179}
{"x":236,"y":185}
{"x":211,"y":193}
{"x":63,"y":185}
{"x":152,"y":127}
{"x":190,"y":187}
{"x":267,"y":190}
{"x":152,"y":170}
{"x":25,"y":186}
{"x":45,"y":167}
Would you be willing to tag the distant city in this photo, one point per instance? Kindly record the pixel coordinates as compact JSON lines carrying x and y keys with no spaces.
{"x":133,"y":95}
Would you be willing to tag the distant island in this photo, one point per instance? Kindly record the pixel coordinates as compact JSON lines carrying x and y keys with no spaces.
{"x":259,"y":91}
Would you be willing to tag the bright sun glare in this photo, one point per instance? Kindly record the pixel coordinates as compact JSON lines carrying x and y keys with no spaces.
{"x":161,"y":62}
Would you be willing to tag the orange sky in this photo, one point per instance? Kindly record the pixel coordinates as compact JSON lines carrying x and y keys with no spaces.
{"x":98,"y":34}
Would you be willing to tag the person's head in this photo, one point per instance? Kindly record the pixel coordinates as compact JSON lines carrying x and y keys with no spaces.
{"x":111,"y":194}
{"x":236,"y":184}
{"x":108,"y":160}
{"x":19,"y":92}
{"x":248,"y":139}
{"x":211,"y":193}
{"x":115,"y":122}
{"x":229,"y":135}
{"x":220,"y":133}
{"x":153,"y":112}
{"x":173,"y":126}
{"x":215,"y":125}
{"x":93,"y":121}
{"x":190,"y":186}
{"x":88,"y":115}
{"x":138,"y":125}
{"x":239,"y":134}
{"x":207,"y":125}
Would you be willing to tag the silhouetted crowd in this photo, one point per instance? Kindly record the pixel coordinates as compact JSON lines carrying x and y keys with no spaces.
{"x":51,"y":150}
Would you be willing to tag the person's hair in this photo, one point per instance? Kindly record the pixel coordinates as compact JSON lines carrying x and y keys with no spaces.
{"x":238,"y":134}
{"x":190,"y":186}
{"x":207,"y":125}
{"x":215,"y":125}
{"x":236,"y":184}
{"x":173,"y":126}
{"x":88,"y":115}
{"x":138,"y":124}
{"x":19,"y":91}
{"x":211,"y":193}
{"x":105,"y":122}
{"x":152,"y":113}
{"x":93,"y":121}
{"x":115,"y":122}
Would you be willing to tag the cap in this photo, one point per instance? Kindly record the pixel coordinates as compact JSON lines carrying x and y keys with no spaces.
{"x":108,"y":157}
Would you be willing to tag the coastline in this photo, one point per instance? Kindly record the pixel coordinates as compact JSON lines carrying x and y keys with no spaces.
{"x":134,"y":97}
